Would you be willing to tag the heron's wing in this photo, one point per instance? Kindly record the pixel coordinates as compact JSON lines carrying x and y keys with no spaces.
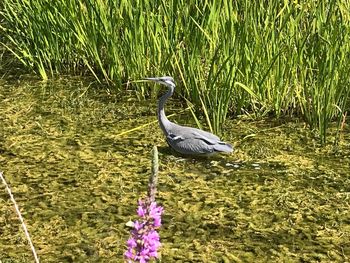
{"x":208,"y":140}
{"x":206,"y":134}
{"x":193,"y":134}
{"x":189,"y":141}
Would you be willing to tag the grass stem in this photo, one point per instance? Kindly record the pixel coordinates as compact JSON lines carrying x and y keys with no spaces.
{"x":20,"y":217}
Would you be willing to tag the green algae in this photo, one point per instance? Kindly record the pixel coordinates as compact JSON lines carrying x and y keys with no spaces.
{"x":279,"y":198}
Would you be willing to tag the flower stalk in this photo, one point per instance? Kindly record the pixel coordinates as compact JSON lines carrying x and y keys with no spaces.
{"x":144,"y":241}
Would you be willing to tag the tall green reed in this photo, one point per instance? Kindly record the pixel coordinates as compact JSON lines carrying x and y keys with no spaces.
{"x":325,"y":58}
{"x":231,"y":57}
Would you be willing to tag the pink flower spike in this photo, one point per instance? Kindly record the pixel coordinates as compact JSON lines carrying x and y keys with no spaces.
{"x":145,"y":241}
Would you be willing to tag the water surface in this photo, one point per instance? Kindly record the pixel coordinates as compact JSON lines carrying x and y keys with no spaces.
{"x":77,"y":175}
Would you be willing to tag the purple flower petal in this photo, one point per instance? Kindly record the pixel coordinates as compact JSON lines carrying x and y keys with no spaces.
{"x":131,"y":242}
{"x":157,"y":222}
{"x":153,"y":254}
{"x":141,"y":212}
{"x":128,"y":254}
{"x":138,"y":226}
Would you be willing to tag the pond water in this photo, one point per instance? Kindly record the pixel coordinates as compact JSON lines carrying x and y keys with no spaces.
{"x":76,"y":176}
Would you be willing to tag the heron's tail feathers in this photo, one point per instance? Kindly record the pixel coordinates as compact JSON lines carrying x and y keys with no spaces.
{"x":223,"y":147}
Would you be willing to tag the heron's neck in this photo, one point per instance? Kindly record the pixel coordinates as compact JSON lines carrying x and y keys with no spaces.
{"x":163,"y":120}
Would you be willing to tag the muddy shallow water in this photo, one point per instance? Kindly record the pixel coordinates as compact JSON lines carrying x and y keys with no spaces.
{"x":77,"y":175}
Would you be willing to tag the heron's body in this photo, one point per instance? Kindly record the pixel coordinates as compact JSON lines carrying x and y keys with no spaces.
{"x":186,"y":140}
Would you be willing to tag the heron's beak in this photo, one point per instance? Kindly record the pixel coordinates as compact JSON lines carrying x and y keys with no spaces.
{"x":152,"y":79}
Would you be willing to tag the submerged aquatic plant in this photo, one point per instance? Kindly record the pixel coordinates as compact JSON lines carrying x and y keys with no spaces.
{"x":144,"y":241}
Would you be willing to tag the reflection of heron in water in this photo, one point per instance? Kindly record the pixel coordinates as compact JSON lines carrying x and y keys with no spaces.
{"x":186,"y":140}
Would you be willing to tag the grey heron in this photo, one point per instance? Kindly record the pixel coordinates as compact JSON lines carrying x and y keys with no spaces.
{"x":186,"y":140}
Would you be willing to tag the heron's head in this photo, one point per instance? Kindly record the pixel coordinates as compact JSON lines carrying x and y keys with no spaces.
{"x":167,"y":81}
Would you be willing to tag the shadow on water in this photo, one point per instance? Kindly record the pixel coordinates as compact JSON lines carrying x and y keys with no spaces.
{"x":278,"y":198}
